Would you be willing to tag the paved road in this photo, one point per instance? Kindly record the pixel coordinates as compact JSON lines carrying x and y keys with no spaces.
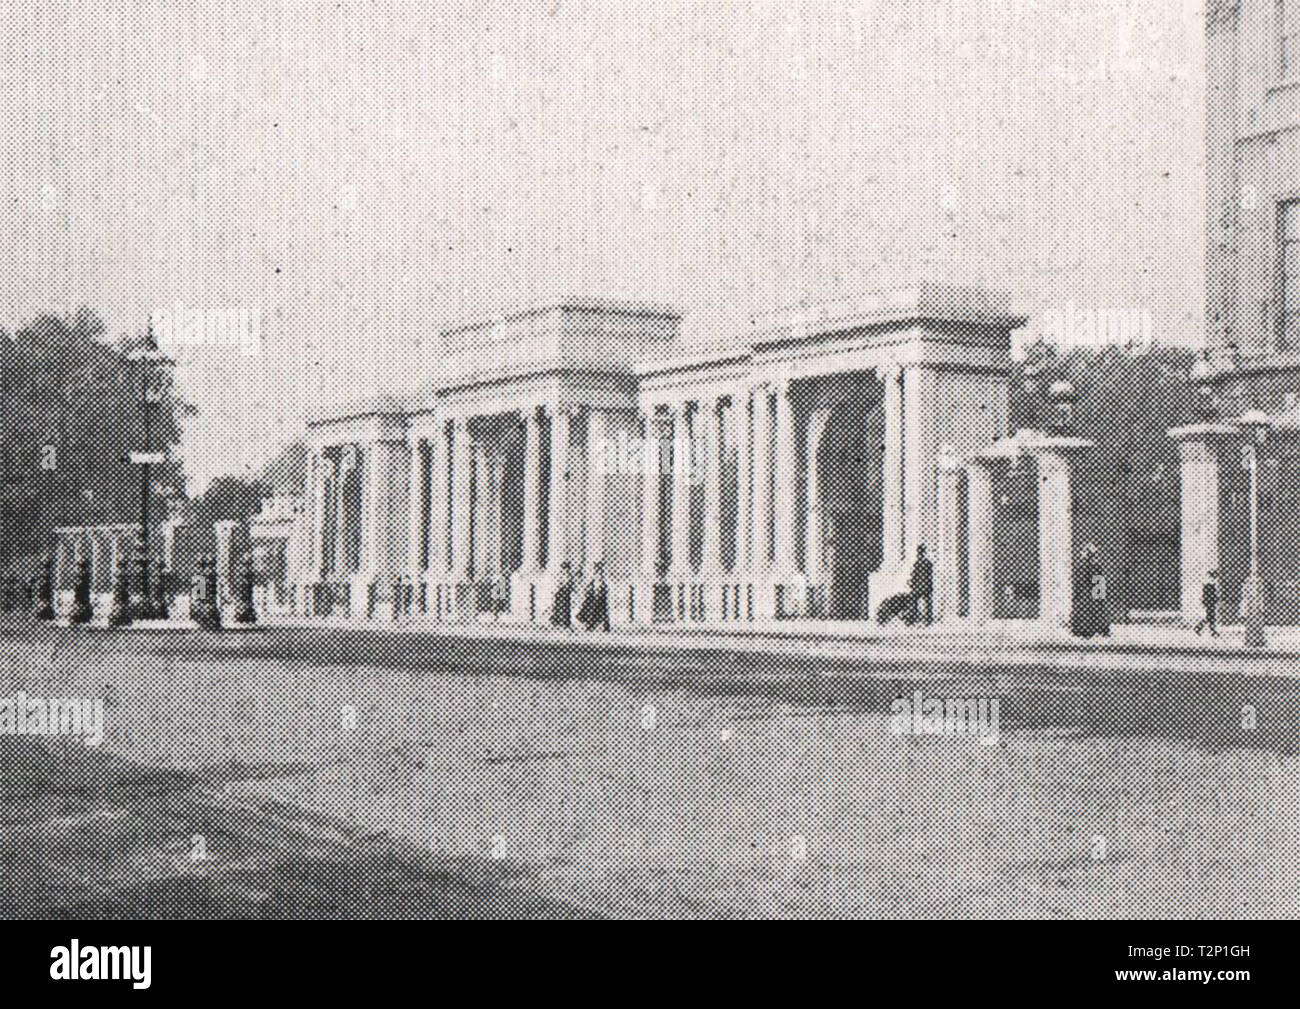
{"x":367,"y":773}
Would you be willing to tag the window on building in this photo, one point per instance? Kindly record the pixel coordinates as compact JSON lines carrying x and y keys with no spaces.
{"x":1287,"y":21}
{"x":1287,"y":334}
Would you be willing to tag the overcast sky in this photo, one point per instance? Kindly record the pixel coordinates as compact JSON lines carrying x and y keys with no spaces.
{"x":361,"y":173}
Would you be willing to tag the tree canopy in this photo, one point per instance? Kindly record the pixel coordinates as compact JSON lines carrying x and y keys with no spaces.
{"x":71,"y":414}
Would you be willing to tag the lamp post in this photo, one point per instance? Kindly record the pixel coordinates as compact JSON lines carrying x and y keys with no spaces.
{"x":1254,"y":425}
{"x":152,"y":360}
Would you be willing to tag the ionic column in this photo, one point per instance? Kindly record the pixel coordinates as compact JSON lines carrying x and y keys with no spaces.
{"x":597,"y":453}
{"x":1055,"y":541}
{"x":482,"y":511}
{"x":740,"y":404}
{"x":786,"y":475}
{"x":711,"y":547}
{"x":340,"y":516}
{"x":532,"y":471}
{"x":419,"y":488}
{"x":947,"y":552}
{"x":650,"y":489}
{"x":920,"y":400}
{"x":760,"y":556}
{"x":558,"y":519}
{"x":979,"y":532}
{"x":1199,"y":500}
{"x":892,"y":471}
{"x":814,"y":532}
{"x":318,"y":502}
{"x":384,"y":466}
{"x":496,"y":512}
{"x":681,"y":489}
{"x":438,"y":510}
{"x":461,"y":500}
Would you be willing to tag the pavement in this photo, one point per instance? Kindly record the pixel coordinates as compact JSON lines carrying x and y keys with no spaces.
{"x":1130,"y":647}
{"x":373,"y":771}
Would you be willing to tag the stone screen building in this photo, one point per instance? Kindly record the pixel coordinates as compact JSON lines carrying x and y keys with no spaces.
{"x":792,"y":471}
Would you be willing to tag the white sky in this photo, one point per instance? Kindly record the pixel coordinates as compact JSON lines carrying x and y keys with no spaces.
{"x":362,"y":173}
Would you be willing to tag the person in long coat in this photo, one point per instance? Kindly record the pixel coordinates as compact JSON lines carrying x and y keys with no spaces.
{"x":562,"y":605}
{"x":1090,"y":611}
{"x":594,"y":611}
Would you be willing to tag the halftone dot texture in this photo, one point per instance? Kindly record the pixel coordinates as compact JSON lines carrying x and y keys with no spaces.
{"x":430,"y":722}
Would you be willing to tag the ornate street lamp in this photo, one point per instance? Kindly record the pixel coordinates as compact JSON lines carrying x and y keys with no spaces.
{"x":151,"y":381}
{"x":1254,"y":425}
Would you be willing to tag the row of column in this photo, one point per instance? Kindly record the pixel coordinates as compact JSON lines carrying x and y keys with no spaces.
{"x":352,"y":492}
{"x":766,"y":480}
{"x":446,"y":539}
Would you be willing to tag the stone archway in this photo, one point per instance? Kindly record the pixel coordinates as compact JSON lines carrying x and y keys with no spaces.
{"x":850,"y":498}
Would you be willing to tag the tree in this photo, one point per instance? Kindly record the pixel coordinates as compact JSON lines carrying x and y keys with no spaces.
{"x":71,"y":414}
{"x":1126,"y":489}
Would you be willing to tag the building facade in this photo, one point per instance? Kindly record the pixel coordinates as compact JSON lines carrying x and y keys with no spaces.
{"x":1252,"y":323}
{"x":791,"y":472}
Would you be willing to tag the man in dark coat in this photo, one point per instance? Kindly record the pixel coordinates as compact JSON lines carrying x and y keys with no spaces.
{"x":1210,"y":603}
{"x":594,"y":611}
{"x":562,"y":605}
{"x":922,"y":586}
{"x":1090,"y":612}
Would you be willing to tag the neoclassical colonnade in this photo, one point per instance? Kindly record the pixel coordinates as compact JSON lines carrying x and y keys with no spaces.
{"x":712,"y":486}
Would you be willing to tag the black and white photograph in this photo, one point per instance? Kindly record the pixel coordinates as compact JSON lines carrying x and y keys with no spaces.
{"x":668,"y":460}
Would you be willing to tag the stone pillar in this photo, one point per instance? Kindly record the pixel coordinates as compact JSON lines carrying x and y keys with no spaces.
{"x":320,"y":501}
{"x":920,"y":401}
{"x":1055,"y":541}
{"x":341,"y":562}
{"x":461,"y":500}
{"x":438,"y":511}
{"x":740,"y":405}
{"x":225,"y":556}
{"x":979,"y":533}
{"x":947,"y":560}
{"x":419,"y":497}
{"x":681,"y":490}
{"x":650,"y":489}
{"x":558,"y":519}
{"x":383,"y":551}
{"x":892,"y":545}
{"x":1199,"y":501}
{"x":482,"y":513}
{"x":761,"y":474}
{"x":96,"y":561}
{"x":532,"y":474}
{"x":597,"y":474}
{"x":711,"y":553}
{"x":786,"y":476}
{"x":814,"y":530}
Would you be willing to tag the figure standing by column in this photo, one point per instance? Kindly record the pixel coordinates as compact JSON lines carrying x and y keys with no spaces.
{"x":1210,"y":603}
{"x":594,"y":611}
{"x":562,"y":605}
{"x":922,"y":586}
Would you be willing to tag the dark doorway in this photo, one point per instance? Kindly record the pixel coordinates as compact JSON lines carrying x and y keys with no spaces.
{"x":850,"y":474}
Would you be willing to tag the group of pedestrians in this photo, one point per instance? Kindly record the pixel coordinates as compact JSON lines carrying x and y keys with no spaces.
{"x":593,"y":612}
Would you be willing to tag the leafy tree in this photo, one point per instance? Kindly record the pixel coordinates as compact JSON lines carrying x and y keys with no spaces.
{"x":227,"y":498}
{"x":71,"y":414}
{"x":1126,"y":489}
